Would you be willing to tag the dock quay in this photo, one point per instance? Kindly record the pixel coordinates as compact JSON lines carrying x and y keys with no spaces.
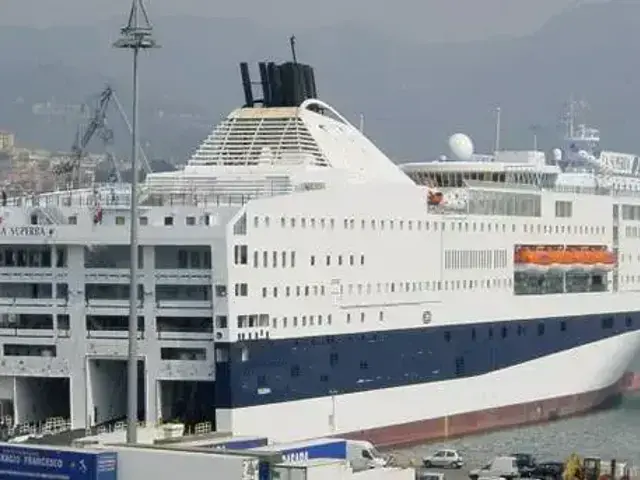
{"x":574,"y":467}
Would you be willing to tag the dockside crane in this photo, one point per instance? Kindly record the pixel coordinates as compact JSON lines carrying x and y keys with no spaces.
{"x":68,"y":171}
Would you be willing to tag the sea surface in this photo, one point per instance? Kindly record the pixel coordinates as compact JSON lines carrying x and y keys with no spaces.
{"x":608,"y":434}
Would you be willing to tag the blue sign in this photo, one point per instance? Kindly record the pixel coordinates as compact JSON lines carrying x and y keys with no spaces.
{"x":31,"y":462}
{"x":337,"y":449}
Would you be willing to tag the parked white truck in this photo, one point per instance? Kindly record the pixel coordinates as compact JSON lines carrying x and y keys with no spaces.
{"x":499,"y":467}
{"x":362,"y":455}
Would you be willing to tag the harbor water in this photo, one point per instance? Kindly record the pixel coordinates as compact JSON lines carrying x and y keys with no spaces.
{"x":612,"y":433}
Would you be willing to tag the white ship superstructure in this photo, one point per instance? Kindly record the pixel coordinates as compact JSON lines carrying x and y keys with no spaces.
{"x":295,"y":283}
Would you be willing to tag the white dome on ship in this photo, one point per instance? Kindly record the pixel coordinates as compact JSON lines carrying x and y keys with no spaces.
{"x":461,"y":146}
{"x":557,"y":154}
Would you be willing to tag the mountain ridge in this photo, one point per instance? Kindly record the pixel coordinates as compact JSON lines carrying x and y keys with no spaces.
{"x":412,"y":96}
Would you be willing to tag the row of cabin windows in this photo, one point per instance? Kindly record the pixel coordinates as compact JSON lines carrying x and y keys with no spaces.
{"x":474,"y":259}
{"x":628,"y":258}
{"x":34,"y":257}
{"x":632,"y":232}
{"x":606,"y":323}
{"x":286,"y":259}
{"x":276,"y":259}
{"x":386,"y":287}
{"x":339,"y":260}
{"x":419,"y":225}
{"x":253,"y":321}
{"x":120,"y":220}
{"x":303,"y":321}
{"x":565,"y":229}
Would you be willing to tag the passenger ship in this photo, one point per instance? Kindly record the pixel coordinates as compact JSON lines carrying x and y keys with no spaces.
{"x":295,"y":283}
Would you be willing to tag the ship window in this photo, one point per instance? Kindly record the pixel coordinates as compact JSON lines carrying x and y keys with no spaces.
{"x":473,"y":334}
{"x":189,"y":221}
{"x":490,"y":332}
{"x":563,"y":326}
{"x":168,"y":221}
{"x":628,"y":321}
{"x":364,"y":365}
{"x":144,"y":220}
{"x":447,"y":336}
{"x":541,"y":329}
{"x":241,"y":289}
{"x":607,"y":322}
{"x":240,"y":253}
{"x":295,"y":371}
{"x":312,"y":260}
{"x":72,"y":220}
{"x":221,"y":321}
{"x":504,"y":332}
{"x":459,"y":366}
{"x":333,"y":359}
{"x":564,"y":209}
{"x":119,"y":220}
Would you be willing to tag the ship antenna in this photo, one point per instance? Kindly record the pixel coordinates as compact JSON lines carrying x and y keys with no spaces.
{"x":135,"y":36}
{"x":292,"y":44}
{"x":572,"y":116}
{"x":498,"y":129}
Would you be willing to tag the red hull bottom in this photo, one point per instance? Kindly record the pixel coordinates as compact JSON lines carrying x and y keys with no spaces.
{"x":542,"y":411}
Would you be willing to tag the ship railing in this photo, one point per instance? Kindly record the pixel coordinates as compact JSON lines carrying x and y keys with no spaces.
{"x":122,"y":201}
{"x":576,"y":189}
{"x":201,"y":428}
{"x":49,"y":426}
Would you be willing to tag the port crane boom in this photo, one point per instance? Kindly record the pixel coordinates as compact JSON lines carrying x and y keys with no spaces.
{"x":69,"y":170}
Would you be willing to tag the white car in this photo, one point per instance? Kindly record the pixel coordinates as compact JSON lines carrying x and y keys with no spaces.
{"x":444,"y":459}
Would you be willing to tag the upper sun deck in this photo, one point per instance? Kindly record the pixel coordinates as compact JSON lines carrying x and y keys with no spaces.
{"x":275,"y":150}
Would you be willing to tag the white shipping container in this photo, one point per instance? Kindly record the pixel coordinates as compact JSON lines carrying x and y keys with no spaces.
{"x":159,"y":464}
{"x":335,"y":469}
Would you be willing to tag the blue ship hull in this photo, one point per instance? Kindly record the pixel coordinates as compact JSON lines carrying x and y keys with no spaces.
{"x":272,"y":371}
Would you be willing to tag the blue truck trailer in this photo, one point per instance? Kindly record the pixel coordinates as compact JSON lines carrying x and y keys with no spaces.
{"x":19,"y":461}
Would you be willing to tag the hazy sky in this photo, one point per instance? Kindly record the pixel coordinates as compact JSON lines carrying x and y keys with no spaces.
{"x":425,"y":20}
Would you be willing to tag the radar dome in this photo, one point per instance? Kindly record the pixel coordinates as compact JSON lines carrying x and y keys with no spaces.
{"x":461,"y":146}
{"x":557,"y":154}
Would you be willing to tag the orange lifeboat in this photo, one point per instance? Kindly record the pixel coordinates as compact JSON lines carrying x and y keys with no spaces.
{"x":558,"y":257}
{"x":604,"y":260}
{"x":533,"y":258}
